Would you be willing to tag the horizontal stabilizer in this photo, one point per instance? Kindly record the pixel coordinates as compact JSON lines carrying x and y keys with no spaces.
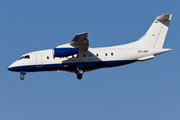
{"x":152,"y":53}
{"x":163,"y":17}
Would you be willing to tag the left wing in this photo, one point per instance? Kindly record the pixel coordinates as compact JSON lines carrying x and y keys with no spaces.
{"x":80,"y":41}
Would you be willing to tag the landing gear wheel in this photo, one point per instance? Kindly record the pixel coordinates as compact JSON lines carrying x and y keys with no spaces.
{"x":79,"y":73}
{"x":22,"y":77}
{"x":79,"y":76}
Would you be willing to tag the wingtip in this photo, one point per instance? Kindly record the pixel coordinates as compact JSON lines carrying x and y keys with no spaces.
{"x":170,"y":49}
{"x":82,"y":33}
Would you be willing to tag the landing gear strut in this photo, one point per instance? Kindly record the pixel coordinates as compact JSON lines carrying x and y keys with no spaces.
{"x":79,"y":73}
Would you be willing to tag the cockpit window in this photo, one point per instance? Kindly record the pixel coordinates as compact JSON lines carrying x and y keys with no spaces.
{"x":27,"y":57}
{"x":24,"y":57}
{"x":21,"y":58}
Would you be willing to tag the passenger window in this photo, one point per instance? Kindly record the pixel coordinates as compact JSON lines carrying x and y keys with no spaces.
{"x":84,"y":55}
{"x":97,"y":55}
{"x":47,"y":57}
{"x":111,"y":54}
{"x":106,"y":54}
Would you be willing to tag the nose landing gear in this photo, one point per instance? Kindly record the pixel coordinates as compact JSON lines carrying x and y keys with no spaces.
{"x":22,"y":73}
{"x":79,"y":73}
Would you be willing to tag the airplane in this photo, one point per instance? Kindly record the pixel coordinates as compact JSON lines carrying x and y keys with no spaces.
{"x":78,"y":57}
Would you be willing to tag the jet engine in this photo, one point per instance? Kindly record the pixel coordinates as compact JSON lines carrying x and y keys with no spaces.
{"x":63,"y":52}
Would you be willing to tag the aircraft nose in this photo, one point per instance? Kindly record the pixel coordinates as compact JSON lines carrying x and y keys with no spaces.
{"x":10,"y":68}
{"x":15,"y":67}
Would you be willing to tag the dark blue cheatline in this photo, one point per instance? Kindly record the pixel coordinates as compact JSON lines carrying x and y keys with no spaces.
{"x":70,"y":66}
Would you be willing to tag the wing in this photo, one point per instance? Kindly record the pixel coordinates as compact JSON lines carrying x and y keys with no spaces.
{"x":80,"y":41}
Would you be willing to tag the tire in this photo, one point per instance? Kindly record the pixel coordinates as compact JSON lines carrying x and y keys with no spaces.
{"x":22,"y":77}
{"x":79,"y":76}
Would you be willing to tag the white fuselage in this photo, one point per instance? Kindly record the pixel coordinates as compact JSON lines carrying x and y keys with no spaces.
{"x":92,"y":59}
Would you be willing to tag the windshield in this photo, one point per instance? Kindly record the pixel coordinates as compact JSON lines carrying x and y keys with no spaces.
{"x":24,"y":57}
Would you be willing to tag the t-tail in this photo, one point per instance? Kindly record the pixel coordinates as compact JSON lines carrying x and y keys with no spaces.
{"x":155,"y":36}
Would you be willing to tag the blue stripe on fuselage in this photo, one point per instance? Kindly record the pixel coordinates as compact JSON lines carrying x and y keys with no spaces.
{"x":70,"y":66}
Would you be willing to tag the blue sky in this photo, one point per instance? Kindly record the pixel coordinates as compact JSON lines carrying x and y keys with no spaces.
{"x":139,"y":91}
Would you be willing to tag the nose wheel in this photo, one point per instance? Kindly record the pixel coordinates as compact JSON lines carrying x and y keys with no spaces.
{"x":79,"y":73}
{"x":22,"y":77}
{"x":22,"y":73}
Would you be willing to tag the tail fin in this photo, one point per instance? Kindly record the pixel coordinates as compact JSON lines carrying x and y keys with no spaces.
{"x":155,"y":36}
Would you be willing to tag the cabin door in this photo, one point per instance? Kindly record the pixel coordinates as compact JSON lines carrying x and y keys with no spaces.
{"x":39,"y":62}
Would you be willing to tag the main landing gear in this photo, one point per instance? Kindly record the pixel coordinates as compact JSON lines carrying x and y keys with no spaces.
{"x":22,"y":73}
{"x":79,"y":73}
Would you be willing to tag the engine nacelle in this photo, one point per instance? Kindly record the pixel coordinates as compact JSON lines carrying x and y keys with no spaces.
{"x":63,"y":52}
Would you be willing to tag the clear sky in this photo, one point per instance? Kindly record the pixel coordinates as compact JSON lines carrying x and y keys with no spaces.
{"x":147,"y":90}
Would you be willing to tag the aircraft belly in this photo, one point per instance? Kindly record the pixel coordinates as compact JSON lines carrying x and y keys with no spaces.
{"x":72,"y":67}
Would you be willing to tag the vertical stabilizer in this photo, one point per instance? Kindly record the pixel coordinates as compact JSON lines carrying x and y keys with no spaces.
{"x":155,"y":36}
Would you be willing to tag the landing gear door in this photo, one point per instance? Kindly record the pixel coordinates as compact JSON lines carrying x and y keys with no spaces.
{"x":39,"y":62}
